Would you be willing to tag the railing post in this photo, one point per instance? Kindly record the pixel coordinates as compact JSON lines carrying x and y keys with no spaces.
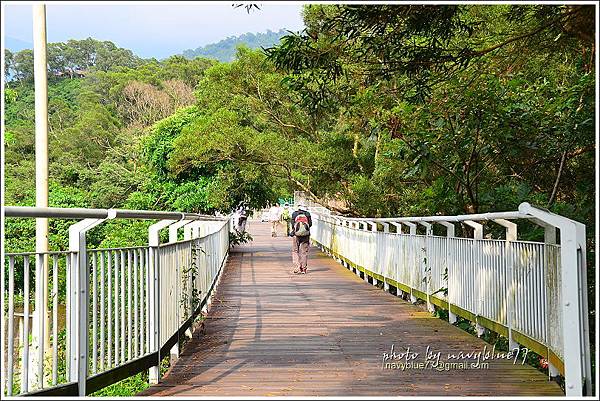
{"x":173,"y":231}
{"x":583,"y":310}
{"x":36,"y":362}
{"x":192,"y":230}
{"x":511,"y":236}
{"x":373,"y":226}
{"x":428,"y":234}
{"x":386,"y":230}
{"x":449,"y":268}
{"x":550,"y":238}
{"x":399,"y":293}
{"x":373,"y":229}
{"x":576,"y":351}
{"x":414,"y":252}
{"x":79,"y":274}
{"x":154,"y":295}
{"x":398,"y":227}
{"x":477,"y":235}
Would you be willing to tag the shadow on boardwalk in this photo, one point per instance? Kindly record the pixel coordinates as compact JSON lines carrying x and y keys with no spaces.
{"x":270,"y":332}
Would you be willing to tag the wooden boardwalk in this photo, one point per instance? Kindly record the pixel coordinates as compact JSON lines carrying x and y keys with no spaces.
{"x":273,"y":333}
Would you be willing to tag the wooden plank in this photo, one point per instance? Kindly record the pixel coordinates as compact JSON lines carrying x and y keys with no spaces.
{"x":271,"y":332}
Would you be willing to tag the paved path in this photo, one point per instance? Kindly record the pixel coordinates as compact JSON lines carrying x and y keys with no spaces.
{"x":270,"y":332}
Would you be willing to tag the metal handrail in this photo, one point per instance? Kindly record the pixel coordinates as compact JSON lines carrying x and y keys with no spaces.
{"x":117,"y":299}
{"x":559,"y":276}
{"x":79,"y":213}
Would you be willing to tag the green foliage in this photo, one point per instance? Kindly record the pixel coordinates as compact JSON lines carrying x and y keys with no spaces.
{"x":237,"y":237}
{"x":374,"y":110}
{"x":159,"y":144}
{"x":73,"y":58}
{"x":127,"y":387}
{"x":225,"y":49}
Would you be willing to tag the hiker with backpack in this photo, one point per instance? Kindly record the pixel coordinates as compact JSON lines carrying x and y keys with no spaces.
{"x":286,"y":216}
{"x":301,"y":223}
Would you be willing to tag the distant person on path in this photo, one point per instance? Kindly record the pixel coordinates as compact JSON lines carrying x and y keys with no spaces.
{"x":242,"y":218}
{"x":274,"y":218}
{"x":286,"y":216}
{"x":301,"y":223}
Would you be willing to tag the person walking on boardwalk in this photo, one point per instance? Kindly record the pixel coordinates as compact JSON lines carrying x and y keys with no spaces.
{"x":274,"y":218}
{"x":286,"y":216}
{"x":241,"y":217}
{"x":301,"y":223}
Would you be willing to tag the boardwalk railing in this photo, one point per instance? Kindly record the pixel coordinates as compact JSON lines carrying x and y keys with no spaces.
{"x":533,"y":293}
{"x":122,"y":309}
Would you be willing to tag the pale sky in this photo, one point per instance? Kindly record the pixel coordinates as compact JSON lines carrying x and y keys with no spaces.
{"x":149,"y":29}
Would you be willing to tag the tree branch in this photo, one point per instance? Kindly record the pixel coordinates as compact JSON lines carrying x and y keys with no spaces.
{"x":558,"y":175}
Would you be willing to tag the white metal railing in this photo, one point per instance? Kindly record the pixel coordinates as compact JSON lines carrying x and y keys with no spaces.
{"x":534,"y":293}
{"x":110,"y":313}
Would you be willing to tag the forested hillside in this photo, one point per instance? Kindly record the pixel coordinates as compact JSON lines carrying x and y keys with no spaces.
{"x":388,"y":110}
{"x":493,"y":108}
{"x":225,"y":49}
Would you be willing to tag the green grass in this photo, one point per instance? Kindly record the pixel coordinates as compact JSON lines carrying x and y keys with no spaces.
{"x":132,"y":385}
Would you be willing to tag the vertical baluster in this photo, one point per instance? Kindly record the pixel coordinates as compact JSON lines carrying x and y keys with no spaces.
{"x":168,"y":294}
{"x":102,"y":306}
{"x":525,"y":280}
{"x":129,"y":306}
{"x":533,"y":303}
{"x":494,"y":309}
{"x":122,"y":293}
{"x":3,"y":277}
{"x":149,"y":282}
{"x":189,"y":262}
{"x":55,"y":320}
{"x":539,"y":301}
{"x":162,"y":258}
{"x":68,"y":258}
{"x":94,"y":313}
{"x":498,"y":293}
{"x":135,"y":333}
{"x":142,"y":300}
{"x":165,"y":298}
{"x":11,"y":323}
{"x":40,"y":306}
{"x":536,"y":296}
{"x":544,"y":300}
{"x":25,"y":357}
{"x":163,"y":272}
{"x":517,"y":269}
{"x":109,"y":312}
{"x":531,"y":286}
{"x":175,"y":289}
{"x":116,"y":300}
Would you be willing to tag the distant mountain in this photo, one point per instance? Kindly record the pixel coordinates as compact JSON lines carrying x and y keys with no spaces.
{"x":15,"y":45}
{"x":225,"y":49}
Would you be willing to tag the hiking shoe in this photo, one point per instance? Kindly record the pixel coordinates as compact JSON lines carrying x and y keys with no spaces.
{"x":296,"y":271}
